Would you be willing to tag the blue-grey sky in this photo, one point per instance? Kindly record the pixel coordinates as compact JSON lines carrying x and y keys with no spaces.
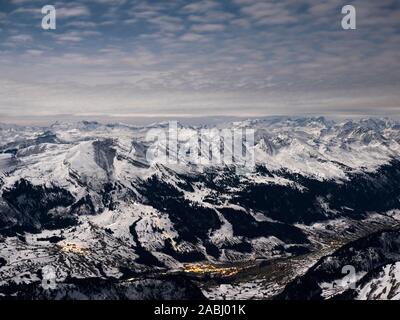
{"x":199,"y":58}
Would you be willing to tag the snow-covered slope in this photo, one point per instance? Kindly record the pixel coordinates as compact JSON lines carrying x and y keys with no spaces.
{"x":383,"y":284}
{"x":85,"y":199}
{"x":364,"y":269}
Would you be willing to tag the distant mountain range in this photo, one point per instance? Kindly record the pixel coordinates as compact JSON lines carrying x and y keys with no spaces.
{"x":83,"y":201}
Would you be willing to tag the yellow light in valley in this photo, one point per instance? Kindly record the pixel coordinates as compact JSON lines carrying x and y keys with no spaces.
{"x":73,"y":247}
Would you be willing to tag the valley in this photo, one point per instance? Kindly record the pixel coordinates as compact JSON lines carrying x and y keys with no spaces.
{"x":83,"y":201}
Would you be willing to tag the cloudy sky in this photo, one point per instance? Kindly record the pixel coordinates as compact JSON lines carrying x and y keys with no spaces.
{"x":182,"y":58}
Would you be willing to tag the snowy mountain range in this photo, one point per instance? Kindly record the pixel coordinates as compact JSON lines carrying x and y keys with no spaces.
{"x":82,"y":205}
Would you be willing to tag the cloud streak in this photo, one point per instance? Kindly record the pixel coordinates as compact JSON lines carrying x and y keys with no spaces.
{"x":220,"y":57}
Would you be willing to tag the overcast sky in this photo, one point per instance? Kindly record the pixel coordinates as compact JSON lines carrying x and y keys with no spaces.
{"x":199,"y":58}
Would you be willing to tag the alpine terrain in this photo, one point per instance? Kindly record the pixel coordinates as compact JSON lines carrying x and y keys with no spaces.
{"x":86,"y":214}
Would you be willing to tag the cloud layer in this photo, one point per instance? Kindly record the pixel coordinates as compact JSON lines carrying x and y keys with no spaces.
{"x":232,"y":57}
